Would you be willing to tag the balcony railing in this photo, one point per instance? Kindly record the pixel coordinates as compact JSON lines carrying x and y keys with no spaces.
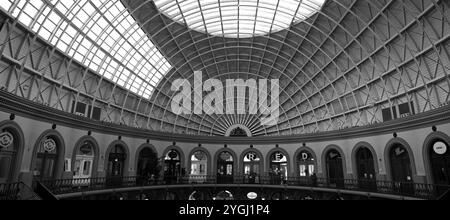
{"x":406,"y":189}
{"x":17,"y":191}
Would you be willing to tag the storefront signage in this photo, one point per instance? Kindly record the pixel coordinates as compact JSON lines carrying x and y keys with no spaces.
{"x":305,"y":156}
{"x":49,"y":145}
{"x":200,"y":156}
{"x":440,"y":148}
{"x":252,"y":157}
{"x":278,"y":157}
{"x":173,"y":155}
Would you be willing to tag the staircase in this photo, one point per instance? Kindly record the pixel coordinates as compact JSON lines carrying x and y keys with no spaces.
{"x":17,"y":191}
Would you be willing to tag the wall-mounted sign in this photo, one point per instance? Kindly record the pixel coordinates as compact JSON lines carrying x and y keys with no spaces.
{"x":440,"y":148}
{"x":399,"y":151}
{"x":252,"y":157}
{"x":278,"y":158}
{"x":6,"y":139}
{"x":173,"y":155}
{"x":200,"y":156}
{"x":49,"y":145}
{"x":86,"y":149}
{"x":305,"y":156}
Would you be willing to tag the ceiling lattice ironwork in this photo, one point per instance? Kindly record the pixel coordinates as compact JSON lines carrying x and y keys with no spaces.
{"x":351,"y":64}
{"x":243,"y":18}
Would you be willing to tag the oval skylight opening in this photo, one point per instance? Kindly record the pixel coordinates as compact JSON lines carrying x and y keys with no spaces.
{"x":239,"y":19}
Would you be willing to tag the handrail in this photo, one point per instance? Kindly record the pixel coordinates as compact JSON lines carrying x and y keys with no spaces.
{"x":407,"y":189}
{"x":43,"y":191}
{"x":17,"y":191}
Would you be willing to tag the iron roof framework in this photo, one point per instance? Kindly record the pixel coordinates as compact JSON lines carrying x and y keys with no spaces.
{"x":100,"y":34}
{"x":338,"y":68}
{"x":243,"y":18}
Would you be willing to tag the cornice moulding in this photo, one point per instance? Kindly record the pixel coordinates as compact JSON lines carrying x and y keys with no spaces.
{"x":22,"y":107}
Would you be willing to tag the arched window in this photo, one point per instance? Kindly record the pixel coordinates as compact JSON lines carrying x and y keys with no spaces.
{"x":401,"y":170}
{"x":400,"y":164}
{"x":238,"y":132}
{"x":199,"y":164}
{"x":365,"y":165}
{"x":306,"y":164}
{"x":199,"y":167}
{"x":84,"y":161}
{"x":252,"y":163}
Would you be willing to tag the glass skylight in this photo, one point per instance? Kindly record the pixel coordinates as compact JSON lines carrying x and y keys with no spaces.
{"x":100,"y":34}
{"x":243,"y":18}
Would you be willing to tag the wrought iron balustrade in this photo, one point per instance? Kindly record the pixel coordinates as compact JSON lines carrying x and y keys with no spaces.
{"x":16,"y":191}
{"x":406,"y":189}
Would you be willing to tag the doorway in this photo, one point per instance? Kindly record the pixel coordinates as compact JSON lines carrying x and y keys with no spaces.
{"x":401,"y":171}
{"x":366,"y":169}
{"x":147,"y":166}
{"x":46,"y":160}
{"x":440,"y":165}
{"x":8,"y":153}
{"x":84,"y":162}
{"x":116,"y":165}
{"x":278,"y":168}
{"x":306,"y":164}
{"x":199,"y":167}
{"x":172,"y":168}
{"x":252,"y":164}
{"x":225,"y":168}
{"x":335,"y":168}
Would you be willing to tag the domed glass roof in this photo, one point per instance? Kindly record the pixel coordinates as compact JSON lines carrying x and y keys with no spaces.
{"x":354,"y":63}
{"x":243,"y":18}
{"x":101,"y":35}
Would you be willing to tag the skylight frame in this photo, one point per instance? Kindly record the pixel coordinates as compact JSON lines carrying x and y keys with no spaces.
{"x":265,"y":17}
{"x":99,"y":34}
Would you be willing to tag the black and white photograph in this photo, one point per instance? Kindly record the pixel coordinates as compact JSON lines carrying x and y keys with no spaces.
{"x":241,"y":103}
